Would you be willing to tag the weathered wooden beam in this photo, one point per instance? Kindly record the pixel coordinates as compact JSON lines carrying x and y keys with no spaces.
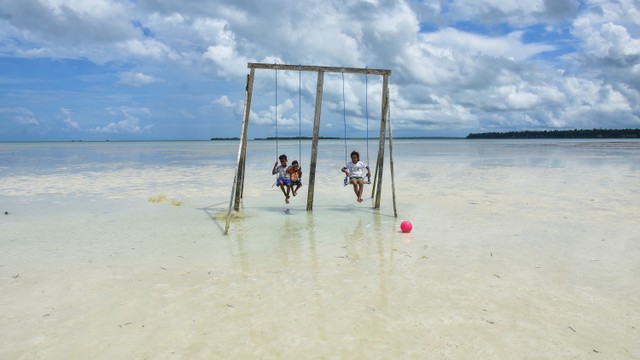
{"x":238,"y":178}
{"x":383,"y":129}
{"x":335,"y":69}
{"x":243,"y":139}
{"x":314,"y":142}
{"x":393,"y":182}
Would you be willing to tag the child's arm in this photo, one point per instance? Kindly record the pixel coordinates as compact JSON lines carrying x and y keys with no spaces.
{"x":344,"y":170}
{"x":368,"y":171}
{"x":273,"y":171}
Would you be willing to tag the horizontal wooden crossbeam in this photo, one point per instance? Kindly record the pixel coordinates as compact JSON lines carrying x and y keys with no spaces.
{"x":335,"y":69}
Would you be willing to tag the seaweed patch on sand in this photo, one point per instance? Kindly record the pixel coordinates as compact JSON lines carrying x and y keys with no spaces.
{"x":222,"y":215}
{"x":158,"y":198}
{"x":163,"y":198}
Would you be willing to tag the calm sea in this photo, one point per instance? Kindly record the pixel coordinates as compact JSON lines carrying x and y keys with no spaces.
{"x":54,"y":157}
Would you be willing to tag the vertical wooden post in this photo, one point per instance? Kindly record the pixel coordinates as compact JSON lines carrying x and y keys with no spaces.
{"x":241,"y":171}
{"x":242,"y":157}
{"x":380,"y":156}
{"x":316,"y":135}
{"x":383,"y":129}
{"x":238,"y":179}
{"x":393,"y":183}
{"x":375,"y":174}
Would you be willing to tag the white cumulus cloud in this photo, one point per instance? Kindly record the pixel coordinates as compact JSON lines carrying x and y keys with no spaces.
{"x":128,"y":122}
{"x":131,"y":78}
{"x":68,"y":119}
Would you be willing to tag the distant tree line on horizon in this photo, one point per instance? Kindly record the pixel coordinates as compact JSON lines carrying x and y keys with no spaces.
{"x":560,"y":134}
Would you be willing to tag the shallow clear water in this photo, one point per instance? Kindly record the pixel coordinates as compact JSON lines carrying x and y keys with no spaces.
{"x":520,"y":249}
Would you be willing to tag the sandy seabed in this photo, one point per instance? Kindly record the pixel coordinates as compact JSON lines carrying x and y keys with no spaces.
{"x":516,"y":253}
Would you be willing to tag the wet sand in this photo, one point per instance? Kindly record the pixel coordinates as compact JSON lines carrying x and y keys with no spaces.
{"x":517,"y":252}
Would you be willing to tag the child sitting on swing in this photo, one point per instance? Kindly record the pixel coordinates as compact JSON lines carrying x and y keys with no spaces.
{"x":283,"y":180}
{"x":295,"y":173}
{"x":354,"y":171}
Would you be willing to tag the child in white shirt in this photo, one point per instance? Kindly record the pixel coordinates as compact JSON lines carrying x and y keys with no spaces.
{"x":283,"y":180}
{"x":355,"y":173}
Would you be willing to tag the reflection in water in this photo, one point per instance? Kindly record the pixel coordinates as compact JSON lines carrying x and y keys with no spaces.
{"x":241,"y":254}
{"x":383,"y":272}
{"x":313,"y":263}
{"x":287,"y":243}
{"x":353,"y":239}
{"x":367,"y":247}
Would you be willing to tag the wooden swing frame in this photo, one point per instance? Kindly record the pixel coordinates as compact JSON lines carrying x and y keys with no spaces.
{"x":385,"y":121}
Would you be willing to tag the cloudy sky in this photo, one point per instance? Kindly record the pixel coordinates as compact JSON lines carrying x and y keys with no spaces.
{"x":163,"y":69}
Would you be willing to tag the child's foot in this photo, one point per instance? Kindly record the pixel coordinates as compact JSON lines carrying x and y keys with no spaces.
{"x":286,"y":199}
{"x":294,"y":193}
{"x":359,"y":199}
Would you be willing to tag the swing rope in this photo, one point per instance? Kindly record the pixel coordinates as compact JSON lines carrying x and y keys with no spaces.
{"x":366,"y":110}
{"x":344,"y":118}
{"x":299,"y":115}
{"x":366,"y":115}
{"x":276,"y":111}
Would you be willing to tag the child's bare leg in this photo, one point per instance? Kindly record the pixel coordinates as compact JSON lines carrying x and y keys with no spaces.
{"x":355,"y":186}
{"x":284,"y":192}
{"x":360,"y":190}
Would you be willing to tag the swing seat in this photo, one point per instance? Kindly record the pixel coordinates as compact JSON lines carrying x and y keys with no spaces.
{"x":346,"y":180}
{"x":284,"y":181}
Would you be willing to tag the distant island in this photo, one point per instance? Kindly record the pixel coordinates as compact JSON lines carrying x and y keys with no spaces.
{"x":225,"y":138}
{"x":560,"y":134}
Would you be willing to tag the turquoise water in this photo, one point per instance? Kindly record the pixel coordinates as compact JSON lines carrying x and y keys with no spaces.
{"x":34,"y":157}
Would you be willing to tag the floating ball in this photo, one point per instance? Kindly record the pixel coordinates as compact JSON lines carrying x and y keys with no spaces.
{"x":406,"y":226}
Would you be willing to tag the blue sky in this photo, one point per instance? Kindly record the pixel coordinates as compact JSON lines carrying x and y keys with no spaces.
{"x":176,"y":70}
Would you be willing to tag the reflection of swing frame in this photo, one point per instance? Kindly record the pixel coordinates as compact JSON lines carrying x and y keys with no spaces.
{"x":238,"y":180}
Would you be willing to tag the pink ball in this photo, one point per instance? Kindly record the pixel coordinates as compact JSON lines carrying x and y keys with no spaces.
{"x":406,"y":226}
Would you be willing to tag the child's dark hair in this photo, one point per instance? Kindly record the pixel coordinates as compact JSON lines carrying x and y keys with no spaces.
{"x":357,"y":154}
{"x":282,"y":157}
{"x":294,"y":162}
